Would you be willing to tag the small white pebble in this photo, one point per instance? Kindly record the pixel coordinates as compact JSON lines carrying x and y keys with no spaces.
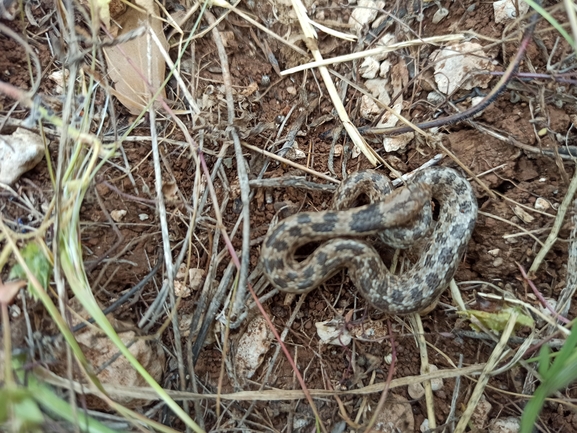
{"x":384,"y":69}
{"x":196,"y":278}
{"x":436,"y":384}
{"x":182,"y":271}
{"x":369,"y":68}
{"x":180,"y":290}
{"x":505,"y":425}
{"x":424,"y":425}
{"x":542,"y":204}
{"x":560,"y":138}
{"x":435,"y":98}
{"x":439,"y":15}
{"x":143,"y":217}
{"x":338,"y":150}
{"x":15,"y":311}
{"x":494,"y":252}
{"x":388,"y":358}
{"x":416,"y":391}
{"x":118,"y":215}
{"x":481,"y":414}
{"x":497,"y":262}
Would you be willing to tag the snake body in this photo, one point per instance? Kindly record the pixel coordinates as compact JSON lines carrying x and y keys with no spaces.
{"x":400,"y":218}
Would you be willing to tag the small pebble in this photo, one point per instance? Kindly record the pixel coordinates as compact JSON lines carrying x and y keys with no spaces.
{"x":481,"y":414}
{"x":424,"y":426}
{"x":338,"y":150}
{"x":505,"y":425}
{"x":436,"y":384}
{"x":20,"y":152}
{"x":416,"y":391}
{"x":118,"y":215}
{"x":542,"y":204}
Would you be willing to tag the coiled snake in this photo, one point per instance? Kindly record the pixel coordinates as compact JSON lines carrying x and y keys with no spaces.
{"x":399,"y":217}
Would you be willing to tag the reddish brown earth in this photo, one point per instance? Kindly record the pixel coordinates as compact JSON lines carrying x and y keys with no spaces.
{"x":523,"y":177}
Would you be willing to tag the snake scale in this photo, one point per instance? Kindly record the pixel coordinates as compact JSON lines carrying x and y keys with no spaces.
{"x":400,"y":217}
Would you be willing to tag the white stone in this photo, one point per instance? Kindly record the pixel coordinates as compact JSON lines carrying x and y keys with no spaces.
{"x":523,"y":215}
{"x":118,"y":214}
{"x":397,"y":143}
{"x":455,"y":70}
{"x":416,"y":391}
{"x":378,"y":88}
{"x":386,"y":40}
{"x":505,"y":425}
{"x":196,"y":278}
{"x":181,"y":290}
{"x":19,"y":153}
{"x":294,"y":153}
{"x":424,"y":425}
{"x":365,"y":13}
{"x":384,"y":69}
{"x":439,"y":15}
{"x":369,"y":107}
{"x":333,"y":332}
{"x":338,"y":150}
{"x":435,"y":98}
{"x":481,"y":414}
{"x":58,"y":78}
{"x":396,"y":416}
{"x":252,"y":347}
{"x":542,"y":204}
{"x":506,"y":10}
{"x":369,"y":68}
{"x":475,"y":101}
{"x":436,"y":384}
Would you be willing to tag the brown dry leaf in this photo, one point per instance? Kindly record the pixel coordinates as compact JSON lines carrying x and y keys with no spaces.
{"x":128,"y":62}
{"x":100,"y":351}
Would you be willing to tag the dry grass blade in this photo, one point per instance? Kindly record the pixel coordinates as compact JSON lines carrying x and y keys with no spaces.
{"x":552,"y":238}
{"x":268,"y":394}
{"x":496,"y":356}
{"x":434,"y":40}
{"x":311,"y":39}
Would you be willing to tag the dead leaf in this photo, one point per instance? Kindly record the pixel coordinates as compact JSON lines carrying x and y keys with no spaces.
{"x":128,"y":62}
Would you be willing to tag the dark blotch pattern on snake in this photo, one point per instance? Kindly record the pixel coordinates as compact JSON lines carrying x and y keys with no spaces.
{"x":399,"y":217}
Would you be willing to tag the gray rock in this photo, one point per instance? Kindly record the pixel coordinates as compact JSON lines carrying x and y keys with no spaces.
{"x":19,"y":153}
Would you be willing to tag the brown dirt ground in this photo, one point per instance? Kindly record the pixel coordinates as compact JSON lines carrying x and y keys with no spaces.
{"x":524,"y":177}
